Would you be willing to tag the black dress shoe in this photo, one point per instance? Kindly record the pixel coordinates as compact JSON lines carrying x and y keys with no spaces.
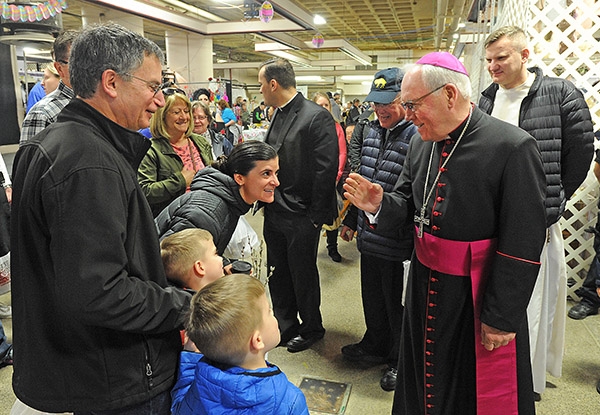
{"x":537,"y":397}
{"x":582,"y":310}
{"x":300,"y":343}
{"x":356,"y":353}
{"x":388,"y":380}
{"x":598,"y":386}
{"x":334,"y":254}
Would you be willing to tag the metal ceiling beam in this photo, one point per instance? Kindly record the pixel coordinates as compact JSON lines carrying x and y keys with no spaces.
{"x":292,"y":12}
{"x":182,"y":21}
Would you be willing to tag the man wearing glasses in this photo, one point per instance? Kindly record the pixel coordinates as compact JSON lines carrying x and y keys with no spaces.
{"x":473,"y":188}
{"x":382,"y":258}
{"x":45,"y":111}
{"x":96,"y":325}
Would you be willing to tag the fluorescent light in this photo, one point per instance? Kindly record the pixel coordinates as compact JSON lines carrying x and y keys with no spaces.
{"x":357,"y":78}
{"x":366,"y":83}
{"x":357,"y":55}
{"x":319,"y":20}
{"x":31,"y":51}
{"x":195,"y":10}
{"x":265,"y":47}
{"x":309,"y":78}
{"x":284,"y":39}
{"x":291,"y":57}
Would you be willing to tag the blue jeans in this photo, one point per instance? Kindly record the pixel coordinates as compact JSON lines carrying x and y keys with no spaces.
{"x":159,"y":405}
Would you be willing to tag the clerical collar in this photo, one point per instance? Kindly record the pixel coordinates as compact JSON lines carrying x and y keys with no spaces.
{"x":281,"y":107}
{"x":459,"y":130}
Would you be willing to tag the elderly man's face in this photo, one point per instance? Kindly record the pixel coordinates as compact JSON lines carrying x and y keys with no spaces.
{"x":389,"y":115}
{"x":429,"y":114}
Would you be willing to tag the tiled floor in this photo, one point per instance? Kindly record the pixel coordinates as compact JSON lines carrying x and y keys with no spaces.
{"x":573,"y":393}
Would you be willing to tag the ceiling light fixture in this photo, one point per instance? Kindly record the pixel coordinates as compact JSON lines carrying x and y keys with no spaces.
{"x":195,"y":10}
{"x":354,"y":55}
{"x":309,"y":78}
{"x":283,"y":39}
{"x":319,"y":20}
{"x":291,"y":57}
{"x":356,"y":78}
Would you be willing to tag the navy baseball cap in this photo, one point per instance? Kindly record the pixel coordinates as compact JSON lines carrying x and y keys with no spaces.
{"x":385,"y":86}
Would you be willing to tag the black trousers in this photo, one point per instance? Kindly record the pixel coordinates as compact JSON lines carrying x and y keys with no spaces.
{"x":292,"y":241}
{"x":587,"y":291}
{"x":381,"y":288}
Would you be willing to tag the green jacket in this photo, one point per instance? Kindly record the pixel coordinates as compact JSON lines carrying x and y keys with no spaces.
{"x":160,"y":175}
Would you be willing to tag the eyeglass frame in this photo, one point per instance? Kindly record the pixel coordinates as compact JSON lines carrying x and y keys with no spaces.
{"x":410,"y":104}
{"x":64,"y":62}
{"x":154,"y":86}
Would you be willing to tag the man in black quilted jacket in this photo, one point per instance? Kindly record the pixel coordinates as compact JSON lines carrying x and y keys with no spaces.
{"x":555,"y":113}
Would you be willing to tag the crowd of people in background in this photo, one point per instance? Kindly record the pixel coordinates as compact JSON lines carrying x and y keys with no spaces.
{"x":123,"y":209}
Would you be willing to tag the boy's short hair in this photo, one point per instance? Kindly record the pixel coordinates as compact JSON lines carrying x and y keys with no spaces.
{"x":223,"y":317}
{"x":179,"y":251}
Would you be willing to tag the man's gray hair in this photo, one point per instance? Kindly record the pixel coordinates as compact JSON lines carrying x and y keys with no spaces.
{"x":107,"y":46}
{"x":434,"y":76}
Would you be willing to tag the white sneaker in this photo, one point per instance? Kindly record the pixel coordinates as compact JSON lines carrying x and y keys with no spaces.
{"x":5,"y":311}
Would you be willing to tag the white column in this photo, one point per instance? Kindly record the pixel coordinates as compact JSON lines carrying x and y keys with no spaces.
{"x":190,"y":55}
{"x":91,"y":15}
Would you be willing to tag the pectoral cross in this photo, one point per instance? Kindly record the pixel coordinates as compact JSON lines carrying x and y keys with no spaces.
{"x":421,"y":221}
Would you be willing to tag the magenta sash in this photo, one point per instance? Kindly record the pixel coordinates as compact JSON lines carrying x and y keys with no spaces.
{"x":496,"y":371}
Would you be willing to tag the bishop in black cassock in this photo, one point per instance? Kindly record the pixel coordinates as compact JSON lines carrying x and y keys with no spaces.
{"x":476,"y":195}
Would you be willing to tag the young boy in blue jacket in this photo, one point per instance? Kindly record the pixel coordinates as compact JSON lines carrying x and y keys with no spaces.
{"x":232,"y":323}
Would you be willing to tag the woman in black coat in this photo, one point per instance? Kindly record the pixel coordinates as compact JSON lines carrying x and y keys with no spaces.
{"x":220,"y":194}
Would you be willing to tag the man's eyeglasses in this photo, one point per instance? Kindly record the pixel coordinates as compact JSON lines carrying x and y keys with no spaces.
{"x":64,"y":62}
{"x":200,"y":117}
{"x":154,"y":86}
{"x":410,"y":105}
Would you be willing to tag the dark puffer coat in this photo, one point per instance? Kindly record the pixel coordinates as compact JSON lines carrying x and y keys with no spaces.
{"x":214,"y":203}
{"x":381,"y":162}
{"x":555,"y":113}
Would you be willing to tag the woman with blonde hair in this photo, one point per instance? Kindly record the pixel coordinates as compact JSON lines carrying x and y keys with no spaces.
{"x":176,"y":154}
{"x":51,"y":78}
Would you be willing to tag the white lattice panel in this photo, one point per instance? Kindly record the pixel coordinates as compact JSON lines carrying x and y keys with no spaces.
{"x":563,"y":41}
{"x":580,"y":214}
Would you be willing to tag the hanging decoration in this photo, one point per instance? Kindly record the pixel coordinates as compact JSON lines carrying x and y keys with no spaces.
{"x":32,"y":13}
{"x":218,"y":89}
{"x":265,"y":14}
{"x":318,"y":40}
